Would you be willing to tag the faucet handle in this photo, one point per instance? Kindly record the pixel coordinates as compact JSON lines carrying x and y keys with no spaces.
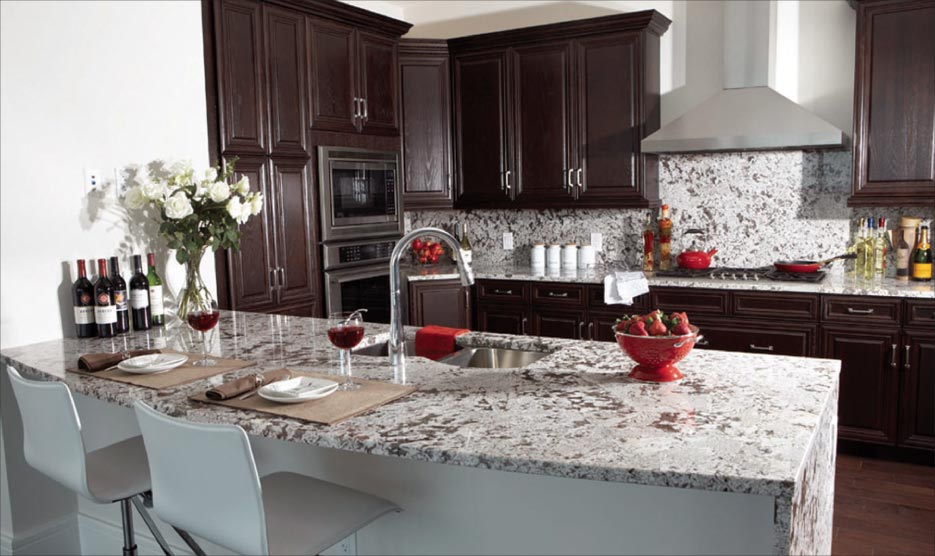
{"x":356,"y":313}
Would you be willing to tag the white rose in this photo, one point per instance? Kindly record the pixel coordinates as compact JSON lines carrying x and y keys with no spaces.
{"x":135,"y":198}
{"x":153,"y":191}
{"x":178,"y":206}
{"x":200,"y":192}
{"x":243,"y":186}
{"x":235,"y":208}
{"x":219,"y":191}
{"x":256,"y":204}
{"x":211,"y":174}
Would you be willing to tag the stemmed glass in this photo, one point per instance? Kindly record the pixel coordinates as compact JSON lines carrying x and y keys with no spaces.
{"x":202,"y":316}
{"x":345,"y":331}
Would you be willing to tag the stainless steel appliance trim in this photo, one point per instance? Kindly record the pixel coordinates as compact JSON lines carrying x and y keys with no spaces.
{"x":331,"y":256}
{"x":335,"y":277}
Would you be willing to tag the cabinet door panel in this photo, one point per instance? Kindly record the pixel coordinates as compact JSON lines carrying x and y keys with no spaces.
{"x":869,"y":382}
{"x":481,"y":129}
{"x":442,"y":303}
{"x":559,"y":324}
{"x":542,"y":114}
{"x":600,"y":327}
{"x":333,"y":75}
{"x":296,"y":238}
{"x":502,"y":319}
{"x":285,"y":47}
{"x":378,"y":84}
{"x":241,"y":77}
{"x":917,"y":405}
{"x":251,"y":286}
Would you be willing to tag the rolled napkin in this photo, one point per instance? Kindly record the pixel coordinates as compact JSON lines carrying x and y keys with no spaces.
{"x":93,"y":362}
{"x":621,"y":287}
{"x":233,"y":388}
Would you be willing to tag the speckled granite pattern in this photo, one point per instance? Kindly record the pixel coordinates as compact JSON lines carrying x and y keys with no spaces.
{"x":738,"y":422}
{"x":757,"y":207}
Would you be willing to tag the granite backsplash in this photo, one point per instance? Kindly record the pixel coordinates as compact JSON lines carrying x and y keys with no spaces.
{"x":756,"y":207}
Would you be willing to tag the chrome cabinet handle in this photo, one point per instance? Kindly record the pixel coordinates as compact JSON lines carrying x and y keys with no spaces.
{"x":366,"y":112}
{"x":508,"y":186}
{"x":580,"y":185}
{"x":854,"y":311}
{"x":503,"y":292}
{"x":906,"y":363}
{"x":761,"y":348}
{"x":590,"y":330}
{"x":580,"y":330}
{"x":893,"y":359}
{"x":702,"y":343}
{"x":570,"y":186}
{"x":272,"y":279}
{"x":356,"y":108}
{"x":282,"y":277}
{"x":522,"y":325}
{"x":553,"y":294}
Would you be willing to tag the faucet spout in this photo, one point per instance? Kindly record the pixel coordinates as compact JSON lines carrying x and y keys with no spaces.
{"x":397,"y":334}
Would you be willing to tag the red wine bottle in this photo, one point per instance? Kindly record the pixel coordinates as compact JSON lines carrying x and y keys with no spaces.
{"x":82,"y":296}
{"x":105,"y":312}
{"x":139,"y":296}
{"x":120,"y":297}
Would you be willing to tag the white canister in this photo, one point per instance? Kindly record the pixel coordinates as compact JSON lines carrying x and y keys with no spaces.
{"x":537,"y":258}
{"x":553,"y":256}
{"x":586,"y":257}
{"x":570,"y":257}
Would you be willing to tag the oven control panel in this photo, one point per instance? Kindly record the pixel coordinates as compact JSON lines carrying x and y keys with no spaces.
{"x":367,"y":252}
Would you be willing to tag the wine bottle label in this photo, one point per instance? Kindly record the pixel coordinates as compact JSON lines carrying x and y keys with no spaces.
{"x":120,"y":299}
{"x":139,"y":299}
{"x":922,"y":271}
{"x":106,"y":314}
{"x":155,"y":300}
{"x":466,"y":256}
{"x":84,"y":315}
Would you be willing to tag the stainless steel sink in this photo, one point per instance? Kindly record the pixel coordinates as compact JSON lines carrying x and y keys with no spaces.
{"x":492,"y":358}
{"x":382,"y":349}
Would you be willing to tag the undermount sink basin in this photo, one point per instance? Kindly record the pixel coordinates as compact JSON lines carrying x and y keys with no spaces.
{"x":492,"y":358}
{"x":383,"y":350}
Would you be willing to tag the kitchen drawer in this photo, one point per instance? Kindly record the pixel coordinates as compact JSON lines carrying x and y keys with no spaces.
{"x":502,"y":291}
{"x":774,"y":305}
{"x":920,"y":312}
{"x":759,"y":337}
{"x":558,"y":295}
{"x":860,"y":309}
{"x":596,"y":301}
{"x":694,"y":301}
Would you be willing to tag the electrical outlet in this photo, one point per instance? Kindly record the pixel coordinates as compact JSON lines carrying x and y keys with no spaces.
{"x":93,"y":179}
{"x":508,"y":241}
{"x":597,"y":241}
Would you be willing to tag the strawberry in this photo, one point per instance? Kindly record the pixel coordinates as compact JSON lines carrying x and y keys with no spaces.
{"x":658,"y":328}
{"x":681,"y":329}
{"x":678,"y":318}
{"x":638,"y":328}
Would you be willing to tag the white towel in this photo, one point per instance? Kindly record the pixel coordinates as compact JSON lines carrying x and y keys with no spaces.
{"x":620,"y":288}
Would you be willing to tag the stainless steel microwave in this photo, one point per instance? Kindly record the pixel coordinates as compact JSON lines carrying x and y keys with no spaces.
{"x":360,"y":195}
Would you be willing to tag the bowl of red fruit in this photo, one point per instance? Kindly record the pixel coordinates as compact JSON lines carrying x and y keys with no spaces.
{"x":656,"y":342}
{"x":427,"y":251}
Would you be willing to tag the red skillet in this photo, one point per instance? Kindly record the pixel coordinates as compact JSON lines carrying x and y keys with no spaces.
{"x":808,"y":266}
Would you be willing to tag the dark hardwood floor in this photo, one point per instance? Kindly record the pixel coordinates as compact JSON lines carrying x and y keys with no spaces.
{"x":883,"y":507}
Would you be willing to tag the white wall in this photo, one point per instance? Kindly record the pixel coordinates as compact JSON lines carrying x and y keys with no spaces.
{"x":85,"y":85}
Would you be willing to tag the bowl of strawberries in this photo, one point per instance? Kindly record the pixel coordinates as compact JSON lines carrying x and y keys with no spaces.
{"x":426,"y":251}
{"x":656,"y":342}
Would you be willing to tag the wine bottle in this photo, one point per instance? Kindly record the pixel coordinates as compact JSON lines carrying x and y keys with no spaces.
{"x":648,"y":236}
{"x":465,"y":245}
{"x":922,"y":257}
{"x":82,"y":295}
{"x":156,"y":308}
{"x":105,"y":312}
{"x":879,"y":249}
{"x":866,"y":272}
{"x":139,"y":296}
{"x":120,"y":297}
{"x":859,"y":239}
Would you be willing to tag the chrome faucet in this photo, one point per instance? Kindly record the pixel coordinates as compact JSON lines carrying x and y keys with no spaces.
{"x":397,"y":343}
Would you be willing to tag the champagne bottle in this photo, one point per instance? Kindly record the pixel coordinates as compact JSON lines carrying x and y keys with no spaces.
{"x":922,"y":257}
{"x":466,"y":254}
{"x":156,"y":307}
{"x":120,"y":297}
{"x":82,"y":295}
{"x":139,"y":296}
{"x":105,"y":312}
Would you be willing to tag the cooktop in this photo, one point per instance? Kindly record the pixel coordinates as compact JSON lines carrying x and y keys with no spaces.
{"x":732,"y":273}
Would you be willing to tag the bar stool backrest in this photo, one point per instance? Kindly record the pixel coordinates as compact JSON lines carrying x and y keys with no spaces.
{"x":205,"y":480}
{"x":52,"y":442}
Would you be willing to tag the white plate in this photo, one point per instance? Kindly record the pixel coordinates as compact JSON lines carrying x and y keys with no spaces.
{"x":152,"y":364}
{"x":312,"y":388}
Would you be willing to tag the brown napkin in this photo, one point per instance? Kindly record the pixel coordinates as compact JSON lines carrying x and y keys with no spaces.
{"x":243,"y":385}
{"x":93,"y":362}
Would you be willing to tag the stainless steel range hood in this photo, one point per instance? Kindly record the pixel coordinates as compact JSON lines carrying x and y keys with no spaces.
{"x":747,"y":114}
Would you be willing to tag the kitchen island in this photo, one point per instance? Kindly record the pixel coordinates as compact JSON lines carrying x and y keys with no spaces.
{"x":564,"y":455}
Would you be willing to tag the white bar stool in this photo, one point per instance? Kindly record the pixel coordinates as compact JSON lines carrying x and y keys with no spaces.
{"x":53,"y":445}
{"x":205,"y":481}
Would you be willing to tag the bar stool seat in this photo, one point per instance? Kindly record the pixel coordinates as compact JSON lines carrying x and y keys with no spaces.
{"x":118,"y":471}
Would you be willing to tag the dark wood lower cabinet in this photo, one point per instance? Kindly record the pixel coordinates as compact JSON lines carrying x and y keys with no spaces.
{"x":917,"y":395}
{"x":758,"y":337}
{"x":439,"y":302}
{"x":503,"y":319}
{"x":600,"y":326}
{"x":559,"y":323}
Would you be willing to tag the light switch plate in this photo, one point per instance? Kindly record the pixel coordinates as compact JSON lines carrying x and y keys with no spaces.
{"x":597,"y":241}
{"x":508,"y":241}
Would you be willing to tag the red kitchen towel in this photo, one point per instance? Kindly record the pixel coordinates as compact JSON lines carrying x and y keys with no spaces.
{"x":434,"y":342}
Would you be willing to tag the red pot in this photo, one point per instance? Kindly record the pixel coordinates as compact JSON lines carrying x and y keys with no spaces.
{"x":656,"y":355}
{"x":695,"y":260}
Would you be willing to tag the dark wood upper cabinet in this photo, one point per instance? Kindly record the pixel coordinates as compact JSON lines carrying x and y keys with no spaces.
{"x":286,"y":66}
{"x":378,"y":87}
{"x":333,"y":76}
{"x":481,"y":130}
{"x":425,"y":116}
{"x":296,"y":234}
{"x":241,"y":79}
{"x":894,"y":112}
{"x":250,"y":269}
{"x":917,"y":404}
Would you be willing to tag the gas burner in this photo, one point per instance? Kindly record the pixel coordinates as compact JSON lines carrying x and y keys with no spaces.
{"x":742,"y":274}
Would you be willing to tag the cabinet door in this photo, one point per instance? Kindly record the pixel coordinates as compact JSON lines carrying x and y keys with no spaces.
{"x":481,"y":139}
{"x":240,"y":76}
{"x":600,"y":326}
{"x":378,"y":84}
{"x":333,"y":75}
{"x":917,"y":406}
{"x":542,"y":112}
{"x":426,"y":132}
{"x":286,"y":63}
{"x":250,"y":268}
{"x":766,"y":337}
{"x":894,"y":130}
{"x":869,"y":381}
{"x":559,"y":324}
{"x":439,"y":302}
{"x":609,"y":119}
{"x":296,"y":238}
{"x":502,"y":319}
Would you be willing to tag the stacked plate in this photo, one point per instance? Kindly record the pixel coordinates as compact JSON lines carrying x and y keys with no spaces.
{"x":152,"y":364}
{"x":297,"y":390}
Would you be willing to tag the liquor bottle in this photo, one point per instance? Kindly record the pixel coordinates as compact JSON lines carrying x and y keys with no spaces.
{"x":139,"y":296}
{"x":466,"y":254}
{"x":866,"y":246}
{"x":879,"y":249}
{"x":105,"y":312}
{"x":120,"y":297}
{"x":665,"y":239}
{"x":82,"y":295}
{"x":648,"y":235}
{"x":922,"y":257}
{"x":156,"y":307}
{"x":855,"y":265}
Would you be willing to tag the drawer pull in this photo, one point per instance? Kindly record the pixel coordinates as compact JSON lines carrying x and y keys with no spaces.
{"x":503,"y":292}
{"x":581,"y":330}
{"x":554,"y":294}
{"x":893,"y":359}
{"x":590,"y":330}
{"x":906,"y":363}
{"x":761,"y":348}
{"x":522,"y":325}
{"x":854,"y":311}
{"x":702,"y":342}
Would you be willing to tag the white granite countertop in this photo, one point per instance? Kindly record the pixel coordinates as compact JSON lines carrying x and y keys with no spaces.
{"x":836,"y":282}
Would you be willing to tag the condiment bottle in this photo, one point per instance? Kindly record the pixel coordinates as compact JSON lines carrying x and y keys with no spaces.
{"x":570,"y":257}
{"x":537,"y":258}
{"x":665,"y":239}
{"x":648,"y":235}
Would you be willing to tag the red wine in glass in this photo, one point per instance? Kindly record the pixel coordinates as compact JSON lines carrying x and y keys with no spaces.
{"x":203,"y":321}
{"x":345,"y":331}
{"x":204,"y":317}
{"x":346,"y":337}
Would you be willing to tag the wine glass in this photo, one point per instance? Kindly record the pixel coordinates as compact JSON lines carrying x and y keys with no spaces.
{"x":345,"y":331}
{"x":202,"y":316}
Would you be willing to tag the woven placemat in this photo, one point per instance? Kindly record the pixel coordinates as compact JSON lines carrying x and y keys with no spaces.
{"x":170,"y":379}
{"x":329,"y":410}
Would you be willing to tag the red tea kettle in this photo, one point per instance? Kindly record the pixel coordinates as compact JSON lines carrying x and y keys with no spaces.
{"x":695,"y":258}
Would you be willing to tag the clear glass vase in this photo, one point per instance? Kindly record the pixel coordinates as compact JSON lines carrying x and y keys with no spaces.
{"x":195,"y":296}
